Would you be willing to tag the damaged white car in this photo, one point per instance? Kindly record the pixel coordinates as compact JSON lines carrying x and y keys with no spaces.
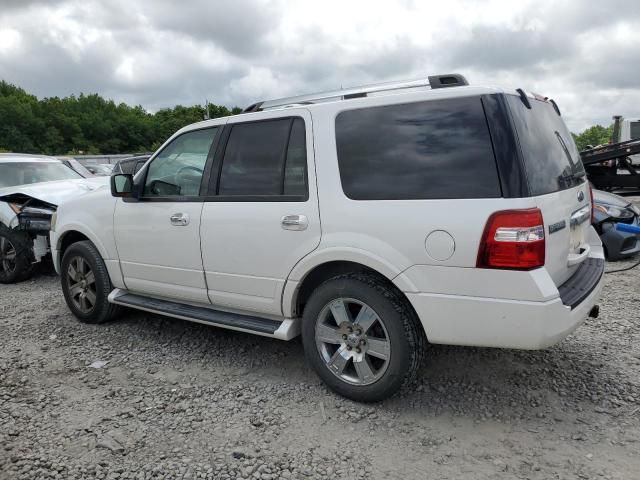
{"x":31,"y":188}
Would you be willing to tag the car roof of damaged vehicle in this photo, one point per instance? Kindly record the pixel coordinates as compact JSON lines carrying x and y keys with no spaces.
{"x":22,"y":157}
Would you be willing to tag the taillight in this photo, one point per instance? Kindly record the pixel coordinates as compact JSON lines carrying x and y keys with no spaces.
{"x":513,"y":239}
{"x":593,"y":205}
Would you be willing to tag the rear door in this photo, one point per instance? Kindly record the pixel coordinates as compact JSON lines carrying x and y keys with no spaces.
{"x":263,"y":216}
{"x":557,"y":180}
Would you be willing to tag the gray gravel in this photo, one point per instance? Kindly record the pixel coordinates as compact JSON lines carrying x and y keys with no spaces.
{"x":182,"y":400}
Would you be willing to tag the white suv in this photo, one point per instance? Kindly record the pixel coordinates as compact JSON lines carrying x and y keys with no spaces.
{"x":370,"y":221}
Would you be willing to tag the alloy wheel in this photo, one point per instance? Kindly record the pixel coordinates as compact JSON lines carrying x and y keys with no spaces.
{"x":353,"y":341}
{"x":81,"y":282}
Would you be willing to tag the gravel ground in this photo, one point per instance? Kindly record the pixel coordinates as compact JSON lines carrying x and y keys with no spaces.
{"x":182,"y":400}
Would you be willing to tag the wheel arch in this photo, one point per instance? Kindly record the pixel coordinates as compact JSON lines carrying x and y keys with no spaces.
{"x":69,"y":238}
{"x":305,"y":278}
{"x":76,"y":233}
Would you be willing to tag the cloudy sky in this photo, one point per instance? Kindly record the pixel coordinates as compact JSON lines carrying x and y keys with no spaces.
{"x":158,"y":53}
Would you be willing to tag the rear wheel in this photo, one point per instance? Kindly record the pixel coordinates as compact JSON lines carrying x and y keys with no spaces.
{"x":15,"y":256}
{"x":86,"y":284}
{"x":361,"y":337}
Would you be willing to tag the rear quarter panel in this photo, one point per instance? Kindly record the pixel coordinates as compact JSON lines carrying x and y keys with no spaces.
{"x":395,"y":230}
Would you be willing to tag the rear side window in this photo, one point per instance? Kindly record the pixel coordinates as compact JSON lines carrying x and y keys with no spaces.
{"x":265,"y":158}
{"x":427,"y":150}
{"x":552,"y":162}
{"x":295,"y":172}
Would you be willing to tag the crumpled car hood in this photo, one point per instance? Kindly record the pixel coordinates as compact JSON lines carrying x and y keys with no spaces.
{"x":57,"y":192}
{"x":607,"y":198}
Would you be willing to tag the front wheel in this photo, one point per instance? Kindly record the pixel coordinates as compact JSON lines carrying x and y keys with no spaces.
{"x":16,"y":262}
{"x":361,"y":337}
{"x":86,"y":284}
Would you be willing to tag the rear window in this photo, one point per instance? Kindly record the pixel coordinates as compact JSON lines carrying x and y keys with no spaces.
{"x":552,"y":162}
{"x":428,"y":150}
{"x":266,"y":158}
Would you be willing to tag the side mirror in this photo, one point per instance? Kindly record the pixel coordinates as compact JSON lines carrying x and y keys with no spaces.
{"x":122,"y":185}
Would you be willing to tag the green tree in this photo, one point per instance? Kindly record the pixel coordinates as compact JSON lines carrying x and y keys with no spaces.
{"x":88,"y":123}
{"x":593,"y":136}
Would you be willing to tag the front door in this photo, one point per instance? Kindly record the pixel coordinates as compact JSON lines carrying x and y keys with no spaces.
{"x":158,"y":236}
{"x":264,"y":216}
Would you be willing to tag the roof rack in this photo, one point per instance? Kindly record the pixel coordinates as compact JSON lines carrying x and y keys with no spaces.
{"x":433,"y":82}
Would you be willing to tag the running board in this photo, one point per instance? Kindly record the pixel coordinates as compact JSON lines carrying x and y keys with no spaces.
{"x":284,"y":329}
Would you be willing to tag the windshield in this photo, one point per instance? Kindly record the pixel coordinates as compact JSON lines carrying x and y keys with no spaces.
{"x":552,"y":161}
{"x":23,"y":173}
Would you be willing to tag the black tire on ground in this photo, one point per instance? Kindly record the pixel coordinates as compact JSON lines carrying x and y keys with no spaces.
{"x":405,"y":334}
{"x":16,"y":256}
{"x":101,"y":311}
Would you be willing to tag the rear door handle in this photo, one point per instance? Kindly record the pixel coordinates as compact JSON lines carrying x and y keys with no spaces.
{"x":179,"y":219}
{"x":294,"y":222}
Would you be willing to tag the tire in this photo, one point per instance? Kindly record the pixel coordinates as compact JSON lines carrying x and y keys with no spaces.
{"x":86,"y":284}
{"x":16,"y":256}
{"x":373,"y":351}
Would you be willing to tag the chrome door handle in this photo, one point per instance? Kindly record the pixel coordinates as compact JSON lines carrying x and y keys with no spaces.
{"x":294,"y":222}
{"x":179,"y":219}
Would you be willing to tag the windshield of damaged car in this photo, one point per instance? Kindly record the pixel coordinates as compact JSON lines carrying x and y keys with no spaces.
{"x":24,"y":173}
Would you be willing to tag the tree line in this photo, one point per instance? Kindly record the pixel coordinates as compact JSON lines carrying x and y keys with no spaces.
{"x":88,"y":124}
{"x":93,"y":125}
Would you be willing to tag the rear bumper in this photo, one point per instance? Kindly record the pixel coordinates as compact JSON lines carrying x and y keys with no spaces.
{"x":512,"y":323}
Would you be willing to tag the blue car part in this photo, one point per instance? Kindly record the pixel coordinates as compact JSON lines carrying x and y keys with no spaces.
{"x":624,"y":227}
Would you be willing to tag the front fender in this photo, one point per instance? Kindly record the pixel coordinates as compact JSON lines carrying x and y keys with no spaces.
{"x":59,"y":234}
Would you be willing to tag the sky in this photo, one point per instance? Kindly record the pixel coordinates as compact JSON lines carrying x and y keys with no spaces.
{"x":159,"y":53}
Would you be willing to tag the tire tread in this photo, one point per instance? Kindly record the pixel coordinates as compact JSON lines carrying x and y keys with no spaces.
{"x":413,"y":331}
{"x":106,"y":311}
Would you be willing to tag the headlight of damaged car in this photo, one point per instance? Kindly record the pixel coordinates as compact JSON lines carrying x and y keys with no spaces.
{"x":615,"y":212}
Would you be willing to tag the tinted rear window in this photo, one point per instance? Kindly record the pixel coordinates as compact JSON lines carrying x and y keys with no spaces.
{"x":266,"y":158}
{"x":426,"y":150}
{"x":552,"y":161}
{"x":254,"y":158}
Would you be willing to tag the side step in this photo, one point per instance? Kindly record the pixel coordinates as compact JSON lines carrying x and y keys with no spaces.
{"x":285,"y":329}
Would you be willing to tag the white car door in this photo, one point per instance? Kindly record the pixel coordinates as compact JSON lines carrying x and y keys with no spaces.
{"x":264,"y":216}
{"x":158,"y":234}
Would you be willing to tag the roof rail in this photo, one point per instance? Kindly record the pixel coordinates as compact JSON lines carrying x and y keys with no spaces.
{"x":433,"y":82}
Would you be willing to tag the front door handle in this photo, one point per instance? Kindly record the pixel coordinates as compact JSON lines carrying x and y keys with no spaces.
{"x":179,"y":219}
{"x":294,"y":222}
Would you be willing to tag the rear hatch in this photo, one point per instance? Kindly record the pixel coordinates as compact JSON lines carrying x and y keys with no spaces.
{"x":557,"y":180}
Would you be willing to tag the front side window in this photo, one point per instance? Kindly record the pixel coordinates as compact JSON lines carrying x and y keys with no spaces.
{"x":177,"y":170}
{"x":265,"y":158}
{"x":427,"y":150}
